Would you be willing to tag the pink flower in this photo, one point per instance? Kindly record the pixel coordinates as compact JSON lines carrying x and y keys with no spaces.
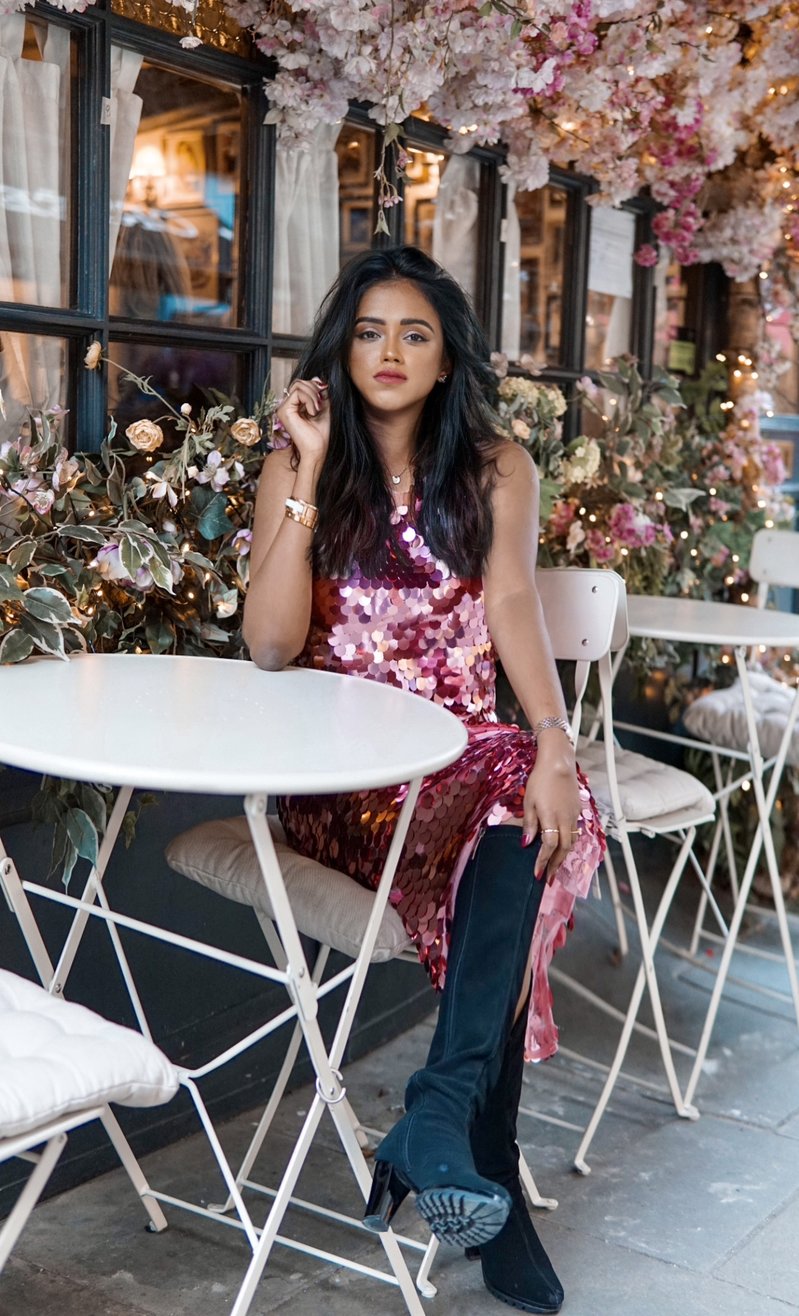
{"x":561,"y":517}
{"x":646,"y":255}
{"x":597,"y":545}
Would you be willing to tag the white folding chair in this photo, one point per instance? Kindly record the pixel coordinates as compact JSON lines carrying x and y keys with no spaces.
{"x":332,"y":910}
{"x":718,"y":721}
{"x":60,"y":1066}
{"x":635,"y":795}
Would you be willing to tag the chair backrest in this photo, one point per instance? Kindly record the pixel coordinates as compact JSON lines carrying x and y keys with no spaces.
{"x":585,"y":613}
{"x":774,"y":560}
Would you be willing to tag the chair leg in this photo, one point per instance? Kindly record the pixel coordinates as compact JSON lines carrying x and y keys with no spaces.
{"x":645,"y":978}
{"x":158,"y":1221}
{"x":281,"y":1082}
{"x":45,"y":1162}
{"x":615,"y":900}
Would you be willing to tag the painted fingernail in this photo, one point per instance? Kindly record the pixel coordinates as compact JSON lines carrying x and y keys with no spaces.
{"x":527,"y":839}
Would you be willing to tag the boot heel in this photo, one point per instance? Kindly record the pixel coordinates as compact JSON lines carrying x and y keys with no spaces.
{"x":388,"y":1193}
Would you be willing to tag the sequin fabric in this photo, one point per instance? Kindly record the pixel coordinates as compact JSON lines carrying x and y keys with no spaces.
{"x":423,"y":629}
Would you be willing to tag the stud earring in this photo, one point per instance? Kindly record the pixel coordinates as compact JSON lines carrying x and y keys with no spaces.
{"x":442,"y":379}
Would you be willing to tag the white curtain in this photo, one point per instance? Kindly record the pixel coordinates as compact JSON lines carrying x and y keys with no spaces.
{"x":455,"y":221}
{"x":33,"y":137}
{"x":511,"y":284}
{"x":306,"y":231}
{"x":126,"y":109}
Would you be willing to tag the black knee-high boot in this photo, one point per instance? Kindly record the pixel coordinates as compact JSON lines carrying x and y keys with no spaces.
{"x":516,"y":1268}
{"x":429,"y":1150}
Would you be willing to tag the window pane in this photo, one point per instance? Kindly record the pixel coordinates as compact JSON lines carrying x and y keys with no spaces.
{"x":609,"y":308}
{"x":31,"y":378}
{"x":674,"y":345}
{"x":355,"y":149}
{"x":282,"y":369}
{"x":306,"y":230}
{"x":441,"y":202}
{"x":35,"y":66}
{"x":180,"y":374}
{"x":532,"y":318}
{"x":175,"y":179}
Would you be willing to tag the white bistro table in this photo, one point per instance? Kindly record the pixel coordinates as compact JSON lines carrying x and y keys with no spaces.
{"x":699,"y":622}
{"x":225,"y":727}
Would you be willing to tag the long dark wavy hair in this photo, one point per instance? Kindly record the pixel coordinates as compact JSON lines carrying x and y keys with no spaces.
{"x":453,"y":464}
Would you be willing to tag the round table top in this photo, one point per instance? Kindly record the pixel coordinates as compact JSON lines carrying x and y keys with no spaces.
{"x":697,"y":621}
{"x":217,"y":725}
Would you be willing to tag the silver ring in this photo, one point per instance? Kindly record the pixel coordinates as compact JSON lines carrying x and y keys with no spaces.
{"x":551,"y":829}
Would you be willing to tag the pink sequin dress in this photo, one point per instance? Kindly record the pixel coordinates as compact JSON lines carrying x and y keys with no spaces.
{"x":422,"y":628}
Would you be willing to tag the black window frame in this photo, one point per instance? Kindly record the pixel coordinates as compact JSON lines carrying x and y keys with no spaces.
{"x":87,"y":317}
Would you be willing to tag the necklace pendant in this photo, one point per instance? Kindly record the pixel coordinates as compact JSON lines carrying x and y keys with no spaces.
{"x":395,"y":479}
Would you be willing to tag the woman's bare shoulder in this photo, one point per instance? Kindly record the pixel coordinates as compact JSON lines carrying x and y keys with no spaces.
{"x":511,"y":463}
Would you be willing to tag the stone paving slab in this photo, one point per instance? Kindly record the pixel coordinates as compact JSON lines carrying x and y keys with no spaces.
{"x":769,"y":1262}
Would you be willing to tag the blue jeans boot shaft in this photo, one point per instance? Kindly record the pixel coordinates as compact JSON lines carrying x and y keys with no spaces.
{"x":429,"y":1150}
{"x":516,"y":1268}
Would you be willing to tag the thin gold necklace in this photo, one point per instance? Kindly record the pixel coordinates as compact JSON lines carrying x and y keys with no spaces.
{"x":396,"y":479}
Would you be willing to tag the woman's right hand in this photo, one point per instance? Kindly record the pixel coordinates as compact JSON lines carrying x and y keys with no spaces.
{"x":304,"y":414}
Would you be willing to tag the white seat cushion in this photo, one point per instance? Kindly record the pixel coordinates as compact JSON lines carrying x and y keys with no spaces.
{"x":720,"y":717}
{"x":649,"y":790}
{"x":328,"y":906}
{"x":57,"y":1058}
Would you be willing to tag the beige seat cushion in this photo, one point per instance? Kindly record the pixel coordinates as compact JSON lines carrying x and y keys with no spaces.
{"x":328,"y":906}
{"x":58,"y":1058}
{"x":720,"y":717}
{"x":649,"y":790}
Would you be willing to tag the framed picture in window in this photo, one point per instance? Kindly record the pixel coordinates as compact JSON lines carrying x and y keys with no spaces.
{"x":423,"y":219}
{"x":355,"y":150}
{"x":184,"y":157}
{"x":198,"y":234}
{"x":356,"y":224}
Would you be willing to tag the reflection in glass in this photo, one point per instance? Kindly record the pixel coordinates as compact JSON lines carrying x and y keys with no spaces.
{"x":175,"y":183}
{"x":355,"y":150}
{"x":35,"y":65}
{"x":534,"y":273}
{"x":180,"y":374}
{"x":441,"y":201}
{"x":609,"y":307}
{"x":306,"y":230}
{"x":32,"y":370}
{"x":282,"y":369}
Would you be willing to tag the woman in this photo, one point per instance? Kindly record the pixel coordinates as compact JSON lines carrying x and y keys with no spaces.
{"x":395,"y":539}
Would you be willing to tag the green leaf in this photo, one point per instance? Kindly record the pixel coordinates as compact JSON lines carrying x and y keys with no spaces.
{"x":549,"y":493}
{"x":161,"y":575}
{"x":46,"y":637}
{"x":381,"y":225}
{"x":132,"y":554}
{"x":160,"y":636}
{"x":47,"y":604}
{"x":21,"y":555}
{"x":95,"y":803}
{"x":89,"y":534}
{"x":682,"y":498}
{"x":70,"y":859}
{"x":391,"y":133}
{"x":516,"y":28}
{"x":15,"y":647}
{"x":198,"y":560}
{"x":201,"y":496}
{"x":614,"y":383}
{"x":83,"y":834}
{"x":213,"y":521}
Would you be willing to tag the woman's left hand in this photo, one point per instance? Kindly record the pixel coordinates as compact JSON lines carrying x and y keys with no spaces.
{"x":552,"y":805}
